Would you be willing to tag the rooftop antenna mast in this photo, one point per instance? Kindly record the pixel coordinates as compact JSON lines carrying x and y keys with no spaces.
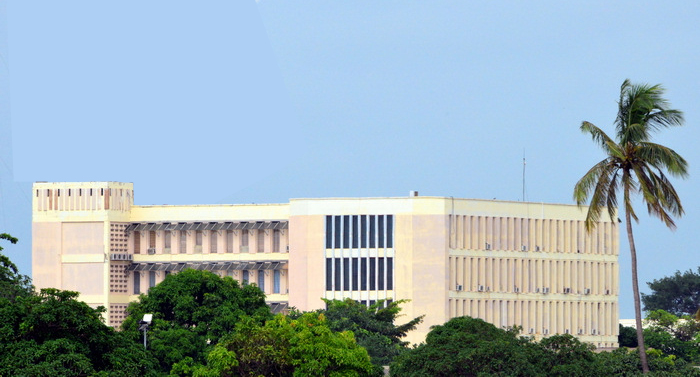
{"x":524,"y":163}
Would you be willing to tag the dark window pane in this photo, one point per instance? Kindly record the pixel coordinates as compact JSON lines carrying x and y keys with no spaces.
{"x":329,"y":232}
{"x":372,"y":274}
{"x":261,"y":280}
{"x":355,"y":273}
{"x":390,"y":231}
{"x":346,"y":274}
{"x":246,"y":277}
{"x":372,"y":232}
{"x":329,"y":274}
{"x":380,"y":229}
{"x":336,"y":233}
{"x":363,"y":274}
{"x":363,"y":231}
{"x":389,"y":273}
{"x":346,"y":232}
{"x":336,"y":275}
{"x":355,"y":235}
{"x":137,"y":282}
{"x":380,"y":273}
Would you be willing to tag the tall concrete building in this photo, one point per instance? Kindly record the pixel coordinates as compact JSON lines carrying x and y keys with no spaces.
{"x":510,"y":263}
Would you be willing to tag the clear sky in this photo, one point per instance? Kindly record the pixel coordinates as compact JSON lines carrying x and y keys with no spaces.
{"x":244,"y":101}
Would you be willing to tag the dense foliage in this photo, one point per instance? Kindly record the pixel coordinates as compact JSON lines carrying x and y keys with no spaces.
{"x":374,"y":326}
{"x":305,"y":346}
{"x":466,"y":346}
{"x":12,"y":283}
{"x":53,"y":334}
{"x":191,"y":311}
{"x":678,"y":294}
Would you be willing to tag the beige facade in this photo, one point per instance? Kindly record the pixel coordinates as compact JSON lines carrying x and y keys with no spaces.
{"x":509,"y":263}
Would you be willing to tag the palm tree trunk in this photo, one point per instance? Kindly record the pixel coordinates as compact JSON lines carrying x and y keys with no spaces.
{"x":635,"y":289}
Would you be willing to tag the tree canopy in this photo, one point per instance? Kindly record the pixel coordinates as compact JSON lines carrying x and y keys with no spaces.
{"x":53,"y":334}
{"x":678,"y":294}
{"x":12,"y":283}
{"x":374,"y":327}
{"x":192,"y":310}
{"x":305,"y":346}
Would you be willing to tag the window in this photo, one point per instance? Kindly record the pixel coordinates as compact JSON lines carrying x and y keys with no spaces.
{"x":137,"y":242}
{"x":137,"y":282}
{"x":213,"y":241}
{"x":151,"y":279}
{"x":183,"y":242}
{"x":244,"y":241}
{"x":261,"y":241}
{"x":198,"y":241}
{"x":261,"y":280}
{"x":276,"y":281}
{"x":359,"y":231}
{"x":276,"y":241}
{"x":346,"y":274}
{"x":229,"y":241}
{"x":166,"y":241}
{"x":246,"y":277}
{"x":152,"y":239}
{"x":355,"y":273}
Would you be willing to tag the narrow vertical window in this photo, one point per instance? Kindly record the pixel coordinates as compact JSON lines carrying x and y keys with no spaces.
{"x":372,"y":274}
{"x":137,"y":282}
{"x":151,"y":279}
{"x":355,"y":273}
{"x":329,"y":232}
{"x":167,"y":241}
{"x":276,"y":235}
{"x":137,"y":242}
{"x":346,"y":232}
{"x":261,"y":241}
{"x":183,"y":242}
{"x":152,"y":240}
{"x":213,"y":242}
{"x":336,"y":232}
{"x":198,"y":241}
{"x":390,"y":231}
{"x":372,"y":232}
{"x":276,"y":281}
{"x":229,"y":241}
{"x":363,"y":231}
{"x":246,"y":276}
{"x":329,"y":274}
{"x":389,"y":273}
{"x":355,"y":234}
{"x":380,"y":229}
{"x":261,"y":280}
{"x":336,"y":278}
{"x":244,"y":241}
{"x":346,"y":274}
{"x":380,"y":274}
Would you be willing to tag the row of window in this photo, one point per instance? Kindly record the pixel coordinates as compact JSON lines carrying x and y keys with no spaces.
{"x":243,"y":241}
{"x":276,"y":280}
{"x":359,"y":231}
{"x":353,"y":274}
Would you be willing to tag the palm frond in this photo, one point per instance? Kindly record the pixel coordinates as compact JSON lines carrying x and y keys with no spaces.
{"x":663,"y":158}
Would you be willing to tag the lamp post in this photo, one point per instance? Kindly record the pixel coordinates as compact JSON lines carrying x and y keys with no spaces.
{"x":143,"y":326}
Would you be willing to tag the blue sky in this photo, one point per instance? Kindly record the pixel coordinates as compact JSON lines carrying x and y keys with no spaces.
{"x":240,"y":102}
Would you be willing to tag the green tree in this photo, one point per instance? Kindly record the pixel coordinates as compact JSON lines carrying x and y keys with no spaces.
{"x":466,"y":346}
{"x":12,"y":283}
{"x":305,"y":346}
{"x":634,"y":164}
{"x":627,"y":337}
{"x":191,"y":311}
{"x":678,"y":294}
{"x":54,"y":334}
{"x":374,"y":326}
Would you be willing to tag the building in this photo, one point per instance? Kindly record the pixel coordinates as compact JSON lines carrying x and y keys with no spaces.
{"x":509,"y":263}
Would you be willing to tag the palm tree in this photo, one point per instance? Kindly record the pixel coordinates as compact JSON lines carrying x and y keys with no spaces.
{"x":634,"y":165}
